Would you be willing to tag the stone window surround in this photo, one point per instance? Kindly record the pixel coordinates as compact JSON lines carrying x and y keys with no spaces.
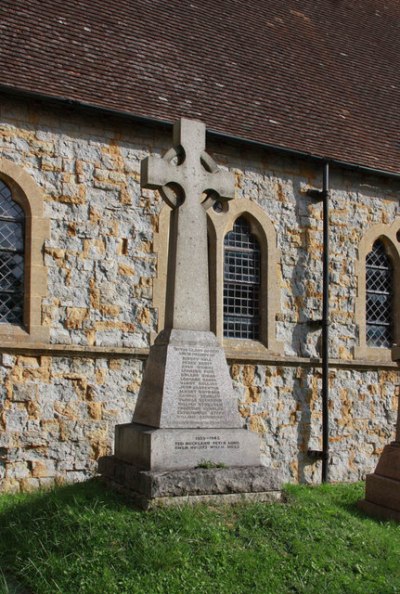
{"x":388,"y":234}
{"x":29,"y":196}
{"x":219,"y":224}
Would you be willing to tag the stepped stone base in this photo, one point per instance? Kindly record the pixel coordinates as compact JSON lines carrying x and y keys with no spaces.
{"x":382,"y":489}
{"x":149,"y":489}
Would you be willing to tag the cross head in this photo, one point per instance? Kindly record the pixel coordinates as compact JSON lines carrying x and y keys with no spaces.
{"x":190,"y":182}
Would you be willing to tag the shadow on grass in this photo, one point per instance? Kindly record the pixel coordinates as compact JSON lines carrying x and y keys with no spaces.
{"x":10,"y":585}
{"x":352,"y":509}
{"x":86,"y":538}
{"x":27,"y":509}
{"x":35,"y":521}
{"x":356,"y":512}
{"x":350,"y":506}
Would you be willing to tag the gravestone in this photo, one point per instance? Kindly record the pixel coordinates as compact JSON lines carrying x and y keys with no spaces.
{"x":186,"y":416}
{"x":382,"y":488}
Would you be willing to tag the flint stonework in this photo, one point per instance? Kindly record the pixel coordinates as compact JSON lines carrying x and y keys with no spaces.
{"x":103,"y":293}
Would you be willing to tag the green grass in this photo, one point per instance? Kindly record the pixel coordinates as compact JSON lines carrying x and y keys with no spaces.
{"x":85,"y":539}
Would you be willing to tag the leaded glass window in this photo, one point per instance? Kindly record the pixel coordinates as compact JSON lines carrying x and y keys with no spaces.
{"x":242,"y":280}
{"x":379,"y":284}
{"x":11,"y":258}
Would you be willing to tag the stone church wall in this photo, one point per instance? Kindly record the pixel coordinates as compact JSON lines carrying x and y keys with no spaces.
{"x":60,"y":400}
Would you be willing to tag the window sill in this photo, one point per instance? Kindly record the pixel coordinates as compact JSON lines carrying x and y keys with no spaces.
{"x":384,"y":354}
{"x":16,"y":336}
{"x":250,"y":349}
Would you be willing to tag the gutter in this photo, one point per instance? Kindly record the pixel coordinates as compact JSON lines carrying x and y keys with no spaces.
{"x":211,"y":134}
{"x":304,"y":155}
{"x":74,"y":103}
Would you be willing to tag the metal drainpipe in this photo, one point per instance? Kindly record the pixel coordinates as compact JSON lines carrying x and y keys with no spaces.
{"x":325,"y":327}
{"x":324,"y":454}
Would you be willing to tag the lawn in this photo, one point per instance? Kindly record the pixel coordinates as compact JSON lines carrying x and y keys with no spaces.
{"x":85,"y":539}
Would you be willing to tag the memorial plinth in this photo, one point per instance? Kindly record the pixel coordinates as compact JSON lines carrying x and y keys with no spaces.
{"x":186,"y":415}
{"x":186,"y":411}
{"x":382,"y":488}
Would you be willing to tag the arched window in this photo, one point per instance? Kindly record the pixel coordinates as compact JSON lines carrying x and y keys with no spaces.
{"x":379,"y":297}
{"x":244,"y":291}
{"x":12,"y":225}
{"x":242,"y":281}
{"x":23,"y":274}
{"x":378,"y":288}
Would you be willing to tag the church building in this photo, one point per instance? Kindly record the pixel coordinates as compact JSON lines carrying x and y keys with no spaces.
{"x":287,"y":91}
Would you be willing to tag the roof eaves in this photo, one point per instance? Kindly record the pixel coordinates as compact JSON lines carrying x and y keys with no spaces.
{"x":212,"y":134}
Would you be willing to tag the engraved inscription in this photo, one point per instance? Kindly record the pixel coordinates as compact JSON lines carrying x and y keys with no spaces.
{"x":213,"y":442}
{"x":199,"y":396}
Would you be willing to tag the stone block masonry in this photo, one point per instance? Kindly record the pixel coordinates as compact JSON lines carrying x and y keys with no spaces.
{"x":58,"y":415}
{"x":60,"y":401}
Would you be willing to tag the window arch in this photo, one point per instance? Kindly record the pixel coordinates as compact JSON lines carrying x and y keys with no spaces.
{"x":378,"y":292}
{"x":242,"y":282}
{"x":260,"y":233}
{"x":379,"y":297}
{"x":12,"y":224}
{"x":221,"y":222}
{"x":23,"y":276}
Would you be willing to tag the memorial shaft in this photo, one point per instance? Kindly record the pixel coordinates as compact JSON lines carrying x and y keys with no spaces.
{"x":188,"y":303}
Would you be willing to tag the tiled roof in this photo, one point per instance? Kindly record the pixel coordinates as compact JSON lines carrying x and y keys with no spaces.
{"x":318,"y":76}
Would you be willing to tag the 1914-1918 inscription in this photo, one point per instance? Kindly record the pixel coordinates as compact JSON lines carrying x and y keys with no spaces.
{"x":212,"y":442}
{"x":199,"y":396}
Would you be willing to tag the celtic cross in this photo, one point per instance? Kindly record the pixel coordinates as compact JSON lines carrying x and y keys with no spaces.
{"x":190,"y":182}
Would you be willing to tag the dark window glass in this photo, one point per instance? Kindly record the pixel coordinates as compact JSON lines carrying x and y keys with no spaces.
{"x":242,"y":279}
{"x":379,"y":284}
{"x":11,"y":258}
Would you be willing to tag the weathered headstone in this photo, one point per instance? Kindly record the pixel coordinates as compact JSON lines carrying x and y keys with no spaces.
{"x":382,"y":488}
{"x":186,"y":414}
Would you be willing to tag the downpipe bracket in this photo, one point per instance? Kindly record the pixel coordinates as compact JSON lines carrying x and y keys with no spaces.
{"x":317,"y":195}
{"x":317,"y":455}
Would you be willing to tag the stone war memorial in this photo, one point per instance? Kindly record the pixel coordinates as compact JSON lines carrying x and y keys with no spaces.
{"x":186,"y":441}
{"x":209,"y":319}
{"x":382,"y":492}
